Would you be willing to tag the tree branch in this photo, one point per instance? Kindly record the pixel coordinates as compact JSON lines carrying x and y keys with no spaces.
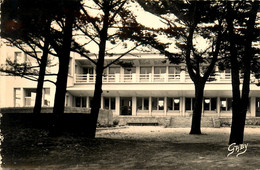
{"x":121,"y":56}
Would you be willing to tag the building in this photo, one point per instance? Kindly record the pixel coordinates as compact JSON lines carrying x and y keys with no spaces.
{"x":152,"y":87}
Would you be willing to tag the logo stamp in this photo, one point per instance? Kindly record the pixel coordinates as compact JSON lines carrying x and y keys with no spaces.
{"x":237,"y":149}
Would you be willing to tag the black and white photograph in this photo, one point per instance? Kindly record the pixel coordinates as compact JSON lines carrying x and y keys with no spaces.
{"x":130,"y":84}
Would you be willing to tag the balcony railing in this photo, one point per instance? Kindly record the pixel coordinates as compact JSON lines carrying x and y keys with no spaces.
{"x":128,"y":78}
{"x":149,"y":78}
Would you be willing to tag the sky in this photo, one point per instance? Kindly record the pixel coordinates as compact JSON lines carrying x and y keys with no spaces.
{"x":145,"y":18}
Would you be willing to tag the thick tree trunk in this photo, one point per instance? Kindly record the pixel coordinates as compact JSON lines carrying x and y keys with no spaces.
{"x":196,"y":116}
{"x":64,"y":58}
{"x":239,"y":107}
{"x":236,"y":104}
{"x":247,"y":57}
{"x":234,"y":77}
{"x":44,"y":59}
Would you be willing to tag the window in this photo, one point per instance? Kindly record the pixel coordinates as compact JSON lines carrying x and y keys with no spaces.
{"x":159,"y":73}
{"x":30,"y":95}
{"x":47,"y":100}
{"x":17,"y":97}
{"x":114,"y":70}
{"x":142,"y":103}
{"x":226,"y":104}
{"x":18,"y":57}
{"x":128,"y":73}
{"x":145,"y":73}
{"x":173,"y":103}
{"x":90,"y":102}
{"x":112,"y":74}
{"x":129,"y":70}
{"x":67,"y":100}
{"x":174,"y":72}
{"x":158,"y":103}
{"x":159,"y":70}
{"x":210,"y":104}
{"x":88,"y":70}
{"x":189,"y":103}
{"x":146,"y":70}
{"x":109,"y":103}
{"x":80,"y":101}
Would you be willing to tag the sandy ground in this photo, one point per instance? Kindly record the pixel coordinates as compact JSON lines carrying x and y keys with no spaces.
{"x":136,"y":147}
{"x":176,"y":135}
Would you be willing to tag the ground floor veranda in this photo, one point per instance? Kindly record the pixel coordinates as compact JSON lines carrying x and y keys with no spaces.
{"x":212,"y":106}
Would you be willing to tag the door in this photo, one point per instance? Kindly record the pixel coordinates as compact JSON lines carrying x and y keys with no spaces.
{"x":257,"y":109}
{"x":126,"y":106}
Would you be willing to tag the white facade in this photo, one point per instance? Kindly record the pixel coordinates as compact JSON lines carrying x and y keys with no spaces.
{"x":150,"y":88}
{"x":20,"y":92}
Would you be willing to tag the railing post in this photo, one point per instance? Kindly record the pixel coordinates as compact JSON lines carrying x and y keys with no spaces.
{"x":117,"y":77}
{"x":88,"y":78}
{"x":182,"y":75}
{"x":150,"y":77}
{"x":134,"y":78}
{"x":166,"y":77}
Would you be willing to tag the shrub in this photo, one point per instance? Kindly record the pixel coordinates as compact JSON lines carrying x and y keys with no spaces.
{"x":115,"y":122}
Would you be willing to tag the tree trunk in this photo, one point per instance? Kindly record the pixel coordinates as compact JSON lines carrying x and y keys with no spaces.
{"x":64,"y":58}
{"x":96,"y":102}
{"x":239,"y":107}
{"x":196,"y":116}
{"x":44,"y":59}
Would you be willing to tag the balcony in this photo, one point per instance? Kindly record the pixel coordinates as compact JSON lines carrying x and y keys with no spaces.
{"x":128,"y":78}
{"x":148,"y":78}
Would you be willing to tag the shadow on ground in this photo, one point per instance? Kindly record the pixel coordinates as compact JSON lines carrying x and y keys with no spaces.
{"x":122,"y":150}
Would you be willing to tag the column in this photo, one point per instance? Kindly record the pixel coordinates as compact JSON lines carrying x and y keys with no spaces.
{"x":137,"y":74}
{"x":150,"y":105}
{"x":134,"y":77}
{"x":166,"y":78}
{"x":22,"y":102}
{"x":102,"y":102}
{"x":165,"y":106}
{"x":117,"y":111}
{"x":87,"y":102}
{"x":117,"y":77}
{"x":183,"y":106}
{"x":134,"y":106}
{"x":253,"y":106}
{"x":151,"y":76}
{"x":182,"y":74}
{"x":218,"y":106}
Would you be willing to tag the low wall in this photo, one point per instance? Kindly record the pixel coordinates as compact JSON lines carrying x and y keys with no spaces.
{"x":250,"y":121}
{"x":105,"y":117}
{"x":128,"y":120}
{"x":181,"y":122}
{"x":43,"y":110}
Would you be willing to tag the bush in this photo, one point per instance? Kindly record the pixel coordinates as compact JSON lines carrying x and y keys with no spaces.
{"x":115,"y":122}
